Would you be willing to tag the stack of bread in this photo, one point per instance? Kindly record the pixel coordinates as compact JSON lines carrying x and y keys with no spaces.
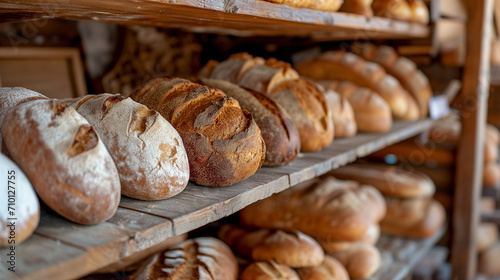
{"x":488,"y":246}
{"x":342,"y":216}
{"x":407,"y":93}
{"x":304,"y":101}
{"x":411,"y":210}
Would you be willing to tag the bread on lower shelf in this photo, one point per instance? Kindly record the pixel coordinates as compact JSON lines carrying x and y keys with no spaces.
{"x":329,"y":269}
{"x":344,"y":121}
{"x":361,"y":260}
{"x":269,"y":271}
{"x":223,"y":142}
{"x":147,"y":150}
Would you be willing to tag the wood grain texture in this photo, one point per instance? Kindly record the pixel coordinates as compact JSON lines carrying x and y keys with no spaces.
{"x":470,"y":155}
{"x":236,"y":17}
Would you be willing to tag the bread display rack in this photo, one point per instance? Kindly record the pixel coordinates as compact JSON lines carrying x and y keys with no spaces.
{"x":60,"y":249}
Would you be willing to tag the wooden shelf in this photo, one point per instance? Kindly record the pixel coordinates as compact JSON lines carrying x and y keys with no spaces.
{"x":236,"y":17}
{"x":60,"y":249}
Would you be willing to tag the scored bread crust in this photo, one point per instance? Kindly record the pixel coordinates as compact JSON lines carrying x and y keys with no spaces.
{"x":147,"y":150}
{"x":329,"y":269}
{"x":268,"y":271}
{"x":277,"y":128}
{"x":360,"y":260}
{"x":343,"y":66}
{"x":223,"y":143}
{"x":65,"y":160}
{"x":344,"y":122}
{"x":203,"y":258}
{"x":321,"y":208}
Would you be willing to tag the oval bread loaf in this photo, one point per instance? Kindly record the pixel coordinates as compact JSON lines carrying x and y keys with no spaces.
{"x":330,"y":269}
{"x":268,"y":271}
{"x":344,"y":122}
{"x":63,"y":157}
{"x":223,"y":142}
{"x":396,"y":9}
{"x":360,"y":260}
{"x":203,"y":258}
{"x":147,"y":150}
{"x":18,"y":194}
{"x":277,"y":128}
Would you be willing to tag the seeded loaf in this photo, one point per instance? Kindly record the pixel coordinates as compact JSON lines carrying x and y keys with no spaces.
{"x":276,"y":126}
{"x":65,"y":160}
{"x":223,"y":143}
{"x":147,"y":150}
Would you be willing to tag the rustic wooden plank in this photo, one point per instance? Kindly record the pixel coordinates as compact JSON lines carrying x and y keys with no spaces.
{"x":470,"y":155}
{"x":236,"y":17}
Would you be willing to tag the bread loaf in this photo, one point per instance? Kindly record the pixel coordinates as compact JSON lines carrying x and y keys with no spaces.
{"x":360,"y":260}
{"x":203,"y":258}
{"x":321,"y":208}
{"x":331,"y":6}
{"x":223,"y":143}
{"x":371,"y":112}
{"x":360,"y":7}
{"x":487,"y":236}
{"x":487,"y":263}
{"x":20,"y":211}
{"x":307,"y":105}
{"x":371,"y":237}
{"x":491,"y":174}
{"x":330,"y":269}
{"x":269,"y":271}
{"x":388,"y":179}
{"x":276,"y":126}
{"x":338,"y":65}
{"x":65,"y":160}
{"x":396,"y":9}
{"x":147,"y":150}
{"x":10,"y":98}
{"x":344,"y":122}
{"x":401,"y":68}
{"x":293,"y":249}
{"x":413,"y":218}
{"x":419,"y":11}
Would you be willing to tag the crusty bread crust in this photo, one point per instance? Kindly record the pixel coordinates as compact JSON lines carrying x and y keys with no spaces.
{"x":329,"y":269}
{"x":269,"y":271}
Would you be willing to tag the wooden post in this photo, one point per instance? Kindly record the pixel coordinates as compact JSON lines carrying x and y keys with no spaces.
{"x":470,"y":152}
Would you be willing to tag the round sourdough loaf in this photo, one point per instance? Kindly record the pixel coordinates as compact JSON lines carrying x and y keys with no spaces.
{"x":330,"y":269}
{"x":20,"y":211}
{"x":10,"y":98}
{"x":269,"y":271}
{"x":147,"y":150}
{"x":63,"y":157}
{"x":223,"y":143}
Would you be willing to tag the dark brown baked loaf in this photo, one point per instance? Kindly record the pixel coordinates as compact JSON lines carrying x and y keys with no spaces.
{"x":268,"y":271}
{"x":10,"y":98}
{"x":321,"y":208}
{"x":343,"y":66}
{"x":276,"y":126}
{"x":388,"y":179}
{"x":203,"y":258}
{"x":293,"y":249}
{"x":147,"y":150}
{"x":330,"y":269}
{"x":65,"y":160}
{"x":223,"y":142}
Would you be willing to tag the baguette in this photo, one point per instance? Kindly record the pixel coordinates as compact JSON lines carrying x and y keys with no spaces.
{"x":65,"y":160}
{"x":204,"y":258}
{"x":403,"y":69}
{"x":329,"y":269}
{"x":277,"y":128}
{"x":321,"y":208}
{"x":147,"y":150}
{"x":18,"y":194}
{"x":338,"y":65}
{"x":268,"y":271}
{"x":223,"y":143}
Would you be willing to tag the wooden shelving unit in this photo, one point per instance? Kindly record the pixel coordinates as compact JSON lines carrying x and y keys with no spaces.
{"x":60,"y":249}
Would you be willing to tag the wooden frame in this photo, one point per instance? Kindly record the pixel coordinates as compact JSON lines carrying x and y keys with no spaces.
{"x":54,"y":72}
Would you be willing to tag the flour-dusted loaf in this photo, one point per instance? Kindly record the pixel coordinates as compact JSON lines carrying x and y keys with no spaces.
{"x":290,"y":248}
{"x":344,"y":66}
{"x":20,"y":211}
{"x":65,"y":160}
{"x":371,"y":112}
{"x":277,"y":128}
{"x":396,"y":9}
{"x":203,"y":258}
{"x":360,"y":260}
{"x":321,"y":208}
{"x":344,"y":122}
{"x":147,"y":150}
{"x":401,"y":68}
{"x":223,"y":143}
{"x":10,"y":97}
{"x":388,"y":179}
{"x":360,"y":7}
{"x":268,"y":271}
{"x":330,"y":269}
